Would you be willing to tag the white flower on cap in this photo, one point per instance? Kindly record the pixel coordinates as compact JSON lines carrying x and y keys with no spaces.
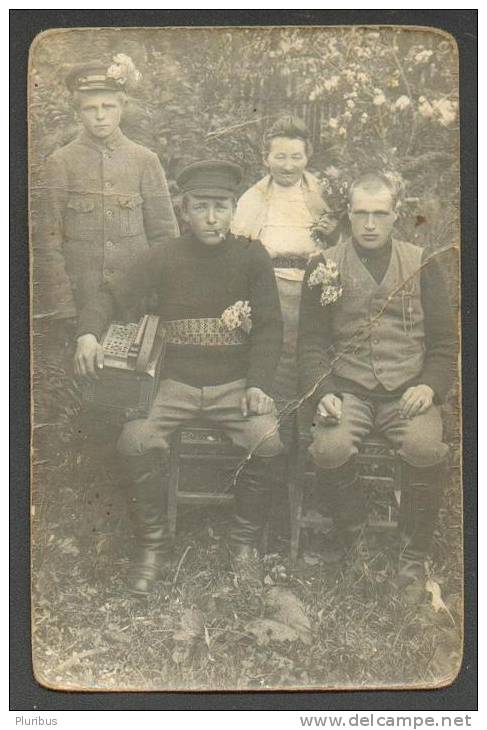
{"x":123,"y":70}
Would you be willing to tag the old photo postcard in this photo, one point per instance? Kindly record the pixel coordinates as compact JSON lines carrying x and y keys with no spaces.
{"x":246,"y":432}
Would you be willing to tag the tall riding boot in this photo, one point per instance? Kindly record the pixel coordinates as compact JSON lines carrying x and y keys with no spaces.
{"x":253,"y":494}
{"x":418,"y":515}
{"x":344,"y":499}
{"x":146,"y":507}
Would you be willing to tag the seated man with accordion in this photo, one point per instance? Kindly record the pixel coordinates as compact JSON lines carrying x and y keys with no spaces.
{"x":220,"y":328}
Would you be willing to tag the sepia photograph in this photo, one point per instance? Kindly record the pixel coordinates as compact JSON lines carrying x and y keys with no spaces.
{"x":245,"y":324}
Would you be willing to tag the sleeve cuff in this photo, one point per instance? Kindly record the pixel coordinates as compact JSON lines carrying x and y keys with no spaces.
{"x":437,"y":385}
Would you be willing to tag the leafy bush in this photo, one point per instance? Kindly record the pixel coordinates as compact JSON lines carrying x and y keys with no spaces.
{"x":371,"y":97}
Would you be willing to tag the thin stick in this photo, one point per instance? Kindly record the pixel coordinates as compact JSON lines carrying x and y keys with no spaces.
{"x":176,"y":574}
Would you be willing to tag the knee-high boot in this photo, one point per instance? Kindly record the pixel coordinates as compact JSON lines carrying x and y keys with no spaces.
{"x":343,"y":497}
{"x":147,"y":511}
{"x":253,"y":493}
{"x":418,"y":515}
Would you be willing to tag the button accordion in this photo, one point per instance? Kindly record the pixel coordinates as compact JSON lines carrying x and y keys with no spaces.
{"x":133,"y":354}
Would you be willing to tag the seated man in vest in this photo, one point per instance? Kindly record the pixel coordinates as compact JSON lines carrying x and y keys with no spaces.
{"x":377,"y":351}
{"x":219,"y":301}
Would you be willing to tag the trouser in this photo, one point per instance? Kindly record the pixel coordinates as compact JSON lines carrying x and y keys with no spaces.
{"x":177,"y":404}
{"x":418,"y":442}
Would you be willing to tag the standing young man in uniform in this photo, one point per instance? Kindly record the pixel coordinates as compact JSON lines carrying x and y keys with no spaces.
{"x":377,"y":350}
{"x":105,"y":198}
{"x":219,"y":301}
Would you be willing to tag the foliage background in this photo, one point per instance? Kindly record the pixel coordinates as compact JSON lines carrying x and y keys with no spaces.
{"x":385,"y":98}
{"x":372,"y":98}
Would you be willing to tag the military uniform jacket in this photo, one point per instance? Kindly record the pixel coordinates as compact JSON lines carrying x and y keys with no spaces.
{"x":103,"y":203}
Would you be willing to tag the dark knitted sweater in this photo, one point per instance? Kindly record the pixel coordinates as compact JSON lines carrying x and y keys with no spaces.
{"x":193,"y":280}
{"x":315,"y":333}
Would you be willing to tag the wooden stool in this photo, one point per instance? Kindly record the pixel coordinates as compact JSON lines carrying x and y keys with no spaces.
{"x":377,"y":463}
{"x":198,"y":443}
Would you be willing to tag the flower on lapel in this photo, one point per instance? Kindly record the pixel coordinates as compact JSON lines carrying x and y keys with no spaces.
{"x":327,"y":276}
{"x":238,"y":315}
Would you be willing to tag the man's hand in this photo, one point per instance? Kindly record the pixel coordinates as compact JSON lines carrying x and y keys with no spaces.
{"x":330,"y":408}
{"x":88,"y":358}
{"x":416,"y":400}
{"x":256,"y":401}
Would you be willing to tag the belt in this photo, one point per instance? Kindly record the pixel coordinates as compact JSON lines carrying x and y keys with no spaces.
{"x":206,"y":332}
{"x":290,"y":262}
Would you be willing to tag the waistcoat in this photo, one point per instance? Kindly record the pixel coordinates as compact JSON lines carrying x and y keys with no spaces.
{"x":378,"y":329}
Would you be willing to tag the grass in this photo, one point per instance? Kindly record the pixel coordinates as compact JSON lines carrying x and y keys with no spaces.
{"x":196,"y":630}
{"x":89,"y":634}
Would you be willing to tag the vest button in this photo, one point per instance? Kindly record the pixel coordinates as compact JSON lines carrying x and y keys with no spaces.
{"x":376,"y":341}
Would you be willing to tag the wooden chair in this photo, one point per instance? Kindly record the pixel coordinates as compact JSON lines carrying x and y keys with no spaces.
{"x":198,"y":444}
{"x":378,"y":464}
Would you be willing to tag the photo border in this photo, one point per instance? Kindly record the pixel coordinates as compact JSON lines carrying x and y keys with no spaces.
{"x":25,"y":693}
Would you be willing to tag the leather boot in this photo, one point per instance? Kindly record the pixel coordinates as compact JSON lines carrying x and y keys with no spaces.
{"x":147,"y":510}
{"x":343,"y":498}
{"x":253,"y":494}
{"x":418,"y":515}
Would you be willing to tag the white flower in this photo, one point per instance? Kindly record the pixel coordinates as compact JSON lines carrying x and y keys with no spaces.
{"x":342,"y":132}
{"x":323,"y":274}
{"x":123,"y":69}
{"x":332,"y":171}
{"x":330,"y":294}
{"x":328,"y":277}
{"x":379,"y":99}
{"x":238,"y":315}
{"x":364,"y":118}
{"x":401,"y":103}
{"x":423,"y":57}
{"x":318,"y":275}
{"x":331,"y":83}
{"x":333,"y":123}
{"x":446,"y":110}
{"x":350,"y":103}
{"x":425,"y":108}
